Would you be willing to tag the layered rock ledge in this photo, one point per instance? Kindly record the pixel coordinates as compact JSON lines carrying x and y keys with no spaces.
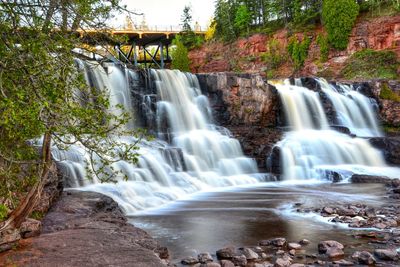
{"x":87,"y":229}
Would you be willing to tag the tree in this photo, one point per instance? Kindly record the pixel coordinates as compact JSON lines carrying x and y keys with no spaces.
{"x":44,"y":97}
{"x":180,"y":58}
{"x":339,"y":17}
{"x":242,"y":19}
{"x":188,"y":37}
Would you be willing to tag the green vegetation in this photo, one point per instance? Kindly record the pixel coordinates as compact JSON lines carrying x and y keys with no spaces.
{"x":180,"y":58}
{"x":45,"y":100}
{"x":187,"y":36}
{"x":3,"y":212}
{"x":298,"y":51}
{"x":235,"y":18}
{"x":37,"y":215}
{"x":339,"y":17}
{"x":242,"y":19}
{"x":370,"y":64}
{"x":323,"y":44}
{"x":388,"y":94}
{"x":274,"y":57}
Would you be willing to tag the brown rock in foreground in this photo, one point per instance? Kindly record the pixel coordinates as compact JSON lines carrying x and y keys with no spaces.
{"x":86,"y":229}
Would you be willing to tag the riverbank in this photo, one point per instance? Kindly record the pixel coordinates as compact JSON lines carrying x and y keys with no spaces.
{"x":87,"y":229}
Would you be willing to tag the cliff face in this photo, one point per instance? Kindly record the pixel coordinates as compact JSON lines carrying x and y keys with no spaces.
{"x":245,"y":54}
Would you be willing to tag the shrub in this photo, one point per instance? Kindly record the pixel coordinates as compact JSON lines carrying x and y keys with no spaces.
{"x":339,"y":17}
{"x":370,"y":64}
{"x":298,"y":51}
{"x":387,"y":93}
{"x":322,"y":41}
{"x":180,"y":58}
{"x":3,"y":212}
{"x":275,"y":56}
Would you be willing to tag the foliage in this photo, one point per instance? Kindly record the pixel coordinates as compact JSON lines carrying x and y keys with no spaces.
{"x":242,"y":19}
{"x":45,"y":99}
{"x":180,"y":58}
{"x":275,"y":56}
{"x":388,"y":94}
{"x":370,"y":64}
{"x":339,"y":17}
{"x":210,"y":32}
{"x":298,"y":51}
{"x":224,"y":20}
{"x":322,"y":41}
{"x":187,"y":35}
{"x":37,"y":215}
{"x":3,"y":212}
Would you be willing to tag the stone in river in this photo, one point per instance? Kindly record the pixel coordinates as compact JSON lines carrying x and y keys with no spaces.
{"x":276,"y":242}
{"x":204,"y":257}
{"x":250,"y":254}
{"x":227,"y":263}
{"x":189,"y":261}
{"x":294,"y":246}
{"x":386,"y":254}
{"x":364,"y":257}
{"x":239,"y":260}
{"x":226,"y":253}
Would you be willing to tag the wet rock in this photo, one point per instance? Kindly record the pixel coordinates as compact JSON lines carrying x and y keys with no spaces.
{"x":30,"y":228}
{"x":250,"y":254}
{"x":239,"y":260}
{"x":297,"y":265}
{"x":344,"y":262}
{"x":162,"y":252}
{"x":227,"y":263}
{"x":276,"y":242}
{"x":386,"y":254}
{"x":362,"y":178}
{"x":331,"y":248}
{"x":264,"y":264}
{"x":294,"y":246}
{"x":363,"y":257}
{"x":304,"y":242}
{"x":226,"y":253}
{"x":390,"y":147}
{"x":328,"y":210}
{"x":285,"y":261}
{"x":204,"y":257}
{"x":324,"y":246}
{"x":189,"y":261}
{"x":292,"y":252}
{"x":86,"y":229}
{"x":210,"y":264}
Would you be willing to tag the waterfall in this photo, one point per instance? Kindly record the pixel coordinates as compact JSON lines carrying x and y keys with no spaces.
{"x":196,"y":156}
{"x":353,"y":110}
{"x":311,"y":150}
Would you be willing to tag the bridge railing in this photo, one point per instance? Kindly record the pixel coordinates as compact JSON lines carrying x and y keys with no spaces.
{"x":160,"y":28}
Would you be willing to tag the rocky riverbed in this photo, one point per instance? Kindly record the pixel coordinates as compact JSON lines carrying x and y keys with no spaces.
{"x":87,"y":229}
{"x":381,"y":240}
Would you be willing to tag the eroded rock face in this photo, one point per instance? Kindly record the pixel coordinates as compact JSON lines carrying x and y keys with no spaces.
{"x":390,"y":146}
{"x":240,"y":99}
{"x":87,"y":229}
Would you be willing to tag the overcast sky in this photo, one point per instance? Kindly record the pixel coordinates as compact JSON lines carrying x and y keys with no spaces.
{"x":169,"y":12}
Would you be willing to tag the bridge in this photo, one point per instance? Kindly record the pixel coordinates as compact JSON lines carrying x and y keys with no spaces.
{"x":145,"y":45}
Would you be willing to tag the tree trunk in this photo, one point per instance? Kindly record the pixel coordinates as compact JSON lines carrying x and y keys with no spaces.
{"x":26,"y":206}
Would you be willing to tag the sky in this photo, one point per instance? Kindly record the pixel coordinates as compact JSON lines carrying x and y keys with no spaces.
{"x":169,"y":12}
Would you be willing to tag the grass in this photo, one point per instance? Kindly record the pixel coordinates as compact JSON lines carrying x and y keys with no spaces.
{"x":388,"y":94}
{"x":370,"y":64}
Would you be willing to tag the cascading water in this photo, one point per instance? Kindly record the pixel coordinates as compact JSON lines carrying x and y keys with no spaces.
{"x":311,"y":150}
{"x":353,"y":110}
{"x":198,"y":157}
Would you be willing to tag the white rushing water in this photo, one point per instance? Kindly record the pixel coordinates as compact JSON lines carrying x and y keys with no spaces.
{"x":353,"y":110}
{"x":311,"y":149}
{"x":198,"y":158}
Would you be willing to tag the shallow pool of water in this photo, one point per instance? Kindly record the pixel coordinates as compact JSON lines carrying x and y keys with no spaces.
{"x":243,"y":216}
